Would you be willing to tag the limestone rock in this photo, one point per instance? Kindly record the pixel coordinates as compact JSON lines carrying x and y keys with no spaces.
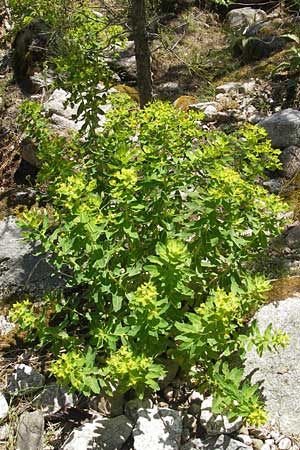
{"x":30,"y":431}
{"x":158,"y":429}
{"x":283,"y":128}
{"x":5,"y":326}
{"x":53,"y":398}
{"x":260,"y":41}
{"x":279,"y":372}
{"x":292,"y":237}
{"x":243,"y":17}
{"x":290,"y":158}
{"x":224,"y":442}
{"x":63,"y":115}
{"x":216,"y":424}
{"x":3,"y":407}
{"x":4,"y":432}
{"x":100,"y":434}
{"x":20,"y":270}
{"x":236,"y":87}
{"x":108,"y":406}
{"x":193,"y":444}
{"x":132,"y":407}
{"x":23,"y":379}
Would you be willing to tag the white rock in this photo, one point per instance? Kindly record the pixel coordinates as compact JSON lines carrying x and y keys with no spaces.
{"x":158,"y":429}
{"x":3,"y":406}
{"x":5,"y":326}
{"x":265,"y":447}
{"x":284,"y":444}
{"x":217,"y":424}
{"x":245,"y":438}
{"x":210,"y":113}
{"x":24,"y":378}
{"x":242,"y":17}
{"x":4,"y":432}
{"x":100,"y":434}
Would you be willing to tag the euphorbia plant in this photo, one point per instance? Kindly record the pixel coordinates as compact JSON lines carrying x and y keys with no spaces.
{"x":155,"y":221}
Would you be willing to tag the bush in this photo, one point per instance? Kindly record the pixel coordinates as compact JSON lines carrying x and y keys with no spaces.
{"x":155,"y":222}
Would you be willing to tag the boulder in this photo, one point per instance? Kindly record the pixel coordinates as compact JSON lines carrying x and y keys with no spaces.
{"x":157,"y":428}
{"x":278,"y":373}
{"x":283,"y":128}
{"x":100,"y":434}
{"x":20,"y":270}
{"x":260,"y":41}
{"x":30,"y":431}
{"x":243,"y":17}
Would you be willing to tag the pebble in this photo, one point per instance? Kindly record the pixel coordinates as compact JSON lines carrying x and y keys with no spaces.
{"x":245,"y":438}
{"x":257,"y":443}
{"x":265,"y":447}
{"x":284,"y":444}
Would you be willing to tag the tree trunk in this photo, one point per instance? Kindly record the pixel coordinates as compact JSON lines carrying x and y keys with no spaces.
{"x":142,"y":51}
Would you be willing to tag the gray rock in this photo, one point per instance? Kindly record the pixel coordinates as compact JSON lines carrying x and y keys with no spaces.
{"x":290,"y":158}
{"x":279,"y":372}
{"x":53,"y":398}
{"x":193,"y":444}
{"x":260,"y":41}
{"x":210,"y":114}
{"x":274,"y":186}
{"x":245,"y":439}
{"x":243,"y":17}
{"x":224,"y":442}
{"x":20,"y":270}
{"x":132,"y":407}
{"x":100,"y":434}
{"x":30,"y":431}
{"x":158,"y":429}
{"x":63,"y":115}
{"x":58,"y":103}
{"x":291,"y":237}
{"x":108,"y":406}
{"x":25,"y":378}
{"x":126,"y":64}
{"x":216,"y":424}
{"x":283,"y":128}
{"x":4,"y":408}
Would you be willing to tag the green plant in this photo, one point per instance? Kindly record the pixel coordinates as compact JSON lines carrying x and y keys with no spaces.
{"x":154,"y":221}
{"x":292,"y":64}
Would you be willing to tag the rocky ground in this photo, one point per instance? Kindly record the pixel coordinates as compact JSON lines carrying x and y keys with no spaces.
{"x":35,"y":413}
